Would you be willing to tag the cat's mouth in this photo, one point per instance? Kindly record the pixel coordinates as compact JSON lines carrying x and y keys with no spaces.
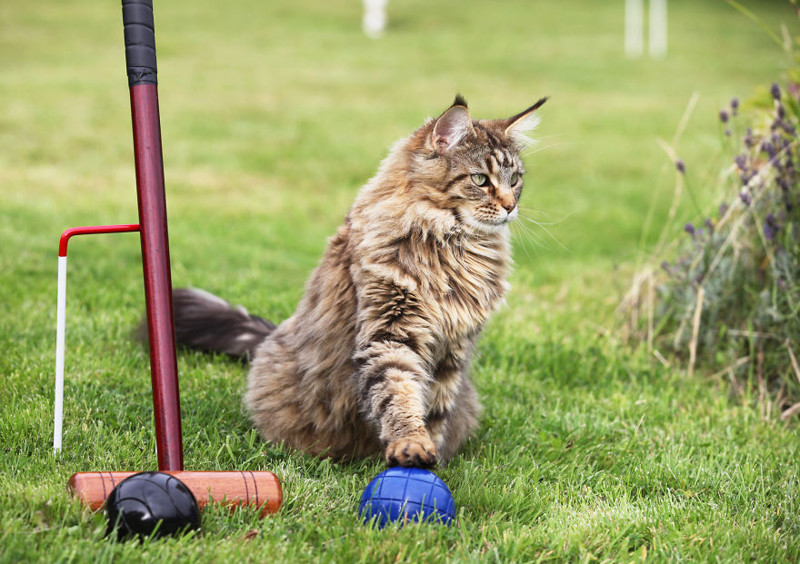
{"x":502,"y":217}
{"x":495,"y":221}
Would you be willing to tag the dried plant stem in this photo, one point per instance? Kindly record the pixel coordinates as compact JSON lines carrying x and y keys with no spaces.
{"x":632,"y":303}
{"x":698,"y":311}
{"x":687,"y":114}
{"x":735,"y":384}
{"x":763,"y":404}
{"x":790,"y":412}
{"x":793,"y":358}
{"x":669,"y":148}
{"x":729,"y":241}
{"x":651,"y":299}
{"x":661,"y":358}
{"x":758,"y":334}
{"x":676,"y":197}
{"x":730,"y":369}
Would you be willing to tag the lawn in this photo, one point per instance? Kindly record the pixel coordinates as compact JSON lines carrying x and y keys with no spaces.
{"x":273,"y":114}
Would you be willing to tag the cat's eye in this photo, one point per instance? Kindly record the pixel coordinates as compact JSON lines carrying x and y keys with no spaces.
{"x":480,"y":179}
{"x":514,"y":179}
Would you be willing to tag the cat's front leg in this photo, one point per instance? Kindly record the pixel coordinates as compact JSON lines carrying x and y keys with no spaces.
{"x":394,"y":376}
{"x":394,"y":392}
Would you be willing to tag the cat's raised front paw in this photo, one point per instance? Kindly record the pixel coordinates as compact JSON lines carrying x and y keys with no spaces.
{"x":416,"y":451}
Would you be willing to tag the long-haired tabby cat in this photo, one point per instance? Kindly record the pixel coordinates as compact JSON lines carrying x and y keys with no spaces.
{"x":375,"y":358}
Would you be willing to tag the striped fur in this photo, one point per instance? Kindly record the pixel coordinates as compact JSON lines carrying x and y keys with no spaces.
{"x":375,"y":358}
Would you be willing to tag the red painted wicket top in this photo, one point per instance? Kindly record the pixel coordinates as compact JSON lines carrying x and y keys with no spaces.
{"x":62,"y":245}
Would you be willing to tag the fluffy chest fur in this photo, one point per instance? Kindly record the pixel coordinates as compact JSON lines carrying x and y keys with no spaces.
{"x":441,"y":287}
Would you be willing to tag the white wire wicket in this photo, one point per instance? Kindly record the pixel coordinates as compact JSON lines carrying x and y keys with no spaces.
{"x":61,"y":307}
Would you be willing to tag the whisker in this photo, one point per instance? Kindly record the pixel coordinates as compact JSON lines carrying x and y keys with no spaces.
{"x":549,"y":233}
{"x":543,"y":212}
{"x":533,"y":235}
{"x":538,"y":147}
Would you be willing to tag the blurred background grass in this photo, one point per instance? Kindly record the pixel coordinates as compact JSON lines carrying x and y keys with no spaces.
{"x":281,"y":110}
{"x":273,"y":115}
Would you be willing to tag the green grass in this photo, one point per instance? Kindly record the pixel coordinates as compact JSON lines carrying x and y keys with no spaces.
{"x":273,"y":114}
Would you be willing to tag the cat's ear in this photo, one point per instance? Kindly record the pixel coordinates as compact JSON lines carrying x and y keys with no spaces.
{"x":519,"y":125}
{"x":451,"y":126}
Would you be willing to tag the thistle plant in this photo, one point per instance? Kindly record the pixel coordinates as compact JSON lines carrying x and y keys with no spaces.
{"x":726,"y":298}
{"x":730,"y":299}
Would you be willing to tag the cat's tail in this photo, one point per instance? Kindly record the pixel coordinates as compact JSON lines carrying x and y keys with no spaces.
{"x":205,"y":322}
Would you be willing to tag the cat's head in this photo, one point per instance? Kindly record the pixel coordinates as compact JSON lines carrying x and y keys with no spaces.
{"x":473,"y":168}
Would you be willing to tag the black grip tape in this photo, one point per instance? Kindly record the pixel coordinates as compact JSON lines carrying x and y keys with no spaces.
{"x":140,"y":41}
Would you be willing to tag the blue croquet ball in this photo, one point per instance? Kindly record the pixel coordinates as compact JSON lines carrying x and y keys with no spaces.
{"x":151,"y":504}
{"x":407,"y":494}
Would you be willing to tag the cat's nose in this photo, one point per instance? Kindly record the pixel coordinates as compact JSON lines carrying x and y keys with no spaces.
{"x":507,"y":200}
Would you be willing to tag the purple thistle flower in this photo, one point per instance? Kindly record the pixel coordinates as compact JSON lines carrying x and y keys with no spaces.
{"x":745,"y":198}
{"x":775,"y":90}
{"x":781,"y":112}
{"x":665,"y":265}
{"x":681,"y":166}
{"x":748,"y":138}
{"x":723,"y":116}
{"x":741,"y":161}
{"x":689,"y":228}
{"x":735,"y":106}
{"x":771,"y":226}
{"x":709,"y":224}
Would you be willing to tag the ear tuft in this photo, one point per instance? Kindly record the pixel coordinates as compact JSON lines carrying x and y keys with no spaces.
{"x":525,"y":121}
{"x":460,"y":101}
{"x":451,"y":126}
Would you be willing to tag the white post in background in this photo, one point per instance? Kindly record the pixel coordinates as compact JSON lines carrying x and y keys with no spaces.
{"x":634,"y":28}
{"x":658,"y":28}
{"x":374,"y":21}
{"x":61,"y":307}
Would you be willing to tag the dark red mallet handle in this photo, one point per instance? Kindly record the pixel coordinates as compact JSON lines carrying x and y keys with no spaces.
{"x":140,"y":55}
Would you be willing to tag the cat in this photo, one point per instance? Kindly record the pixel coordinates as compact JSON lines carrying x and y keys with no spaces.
{"x":375,"y":359}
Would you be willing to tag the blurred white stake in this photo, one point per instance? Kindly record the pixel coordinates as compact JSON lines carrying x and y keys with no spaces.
{"x":61,"y":307}
{"x":374,"y":17}
{"x":658,"y":28}
{"x":634,"y":28}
